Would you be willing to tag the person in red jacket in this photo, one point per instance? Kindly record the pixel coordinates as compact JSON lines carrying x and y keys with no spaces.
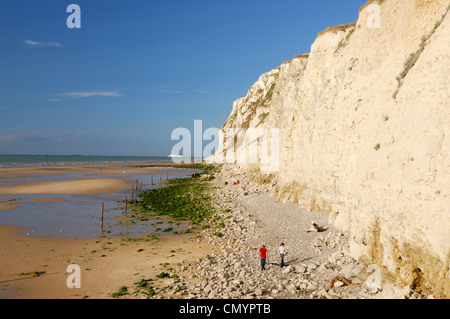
{"x":263,"y":256}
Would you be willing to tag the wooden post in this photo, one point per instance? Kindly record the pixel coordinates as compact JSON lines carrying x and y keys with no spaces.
{"x":152,"y":180}
{"x":102,"y":216}
{"x":140,"y":186}
{"x":126,"y":206}
{"x":132,"y":193}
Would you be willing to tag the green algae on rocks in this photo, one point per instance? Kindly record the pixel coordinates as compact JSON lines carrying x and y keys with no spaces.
{"x":184,"y":199}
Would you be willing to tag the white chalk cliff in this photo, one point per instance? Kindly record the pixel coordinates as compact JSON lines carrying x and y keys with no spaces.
{"x":364,"y":134}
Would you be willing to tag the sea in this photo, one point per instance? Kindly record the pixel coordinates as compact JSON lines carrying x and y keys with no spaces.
{"x":56,"y":160}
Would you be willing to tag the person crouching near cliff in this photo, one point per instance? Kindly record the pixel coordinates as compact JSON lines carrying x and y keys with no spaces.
{"x":313,"y":227}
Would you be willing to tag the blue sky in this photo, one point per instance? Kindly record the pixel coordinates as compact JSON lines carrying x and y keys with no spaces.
{"x":137,"y":70}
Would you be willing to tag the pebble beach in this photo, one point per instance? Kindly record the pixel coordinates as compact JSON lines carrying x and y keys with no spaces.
{"x":252,"y":217}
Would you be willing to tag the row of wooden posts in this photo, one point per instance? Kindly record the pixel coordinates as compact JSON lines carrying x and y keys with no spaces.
{"x":132,"y":196}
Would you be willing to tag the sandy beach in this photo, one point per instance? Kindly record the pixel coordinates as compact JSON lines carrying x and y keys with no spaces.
{"x":106,"y":264}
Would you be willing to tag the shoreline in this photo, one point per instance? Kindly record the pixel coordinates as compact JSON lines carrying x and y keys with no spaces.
{"x":203,"y":265}
{"x":48,"y":170}
{"x":23,"y":189}
{"x":97,"y":184}
{"x":8,"y":161}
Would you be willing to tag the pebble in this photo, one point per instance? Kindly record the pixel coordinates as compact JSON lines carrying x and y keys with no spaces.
{"x":312,"y":260}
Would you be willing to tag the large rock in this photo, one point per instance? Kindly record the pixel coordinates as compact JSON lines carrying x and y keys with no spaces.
{"x":391,"y":291}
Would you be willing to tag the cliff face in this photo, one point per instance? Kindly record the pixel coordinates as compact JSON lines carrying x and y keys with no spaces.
{"x":364,"y":134}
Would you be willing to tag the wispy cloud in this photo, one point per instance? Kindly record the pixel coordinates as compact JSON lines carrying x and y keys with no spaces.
{"x":37,"y":44}
{"x":173,"y":89}
{"x":201,"y":91}
{"x":90,"y":94}
{"x":170,"y":89}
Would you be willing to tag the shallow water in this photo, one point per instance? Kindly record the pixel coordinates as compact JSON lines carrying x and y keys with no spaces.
{"x":79,"y":215}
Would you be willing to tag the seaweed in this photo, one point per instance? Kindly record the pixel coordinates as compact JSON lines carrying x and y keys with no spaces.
{"x":183,"y":199}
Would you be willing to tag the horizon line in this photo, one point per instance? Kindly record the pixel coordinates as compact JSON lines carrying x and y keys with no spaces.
{"x":85,"y":155}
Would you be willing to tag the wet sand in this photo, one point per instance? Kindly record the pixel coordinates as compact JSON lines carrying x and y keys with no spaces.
{"x":31,"y":191}
{"x":92,"y":180}
{"x":24,"y":171}
{"x":80,"y":187}
{"x":105,"y":264}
